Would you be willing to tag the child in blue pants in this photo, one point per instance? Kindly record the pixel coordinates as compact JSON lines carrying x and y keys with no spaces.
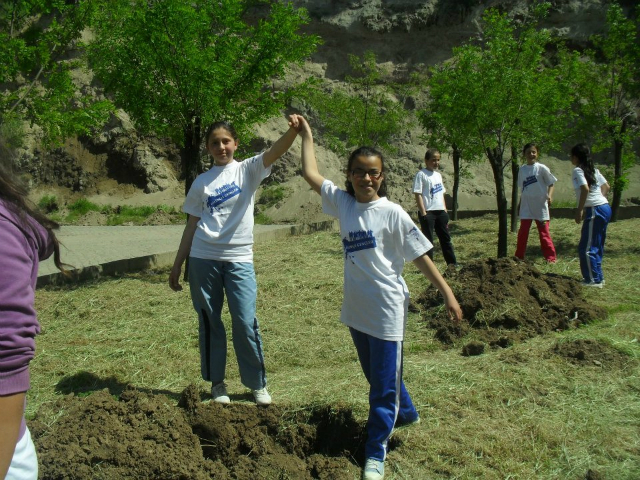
{"x":593,"y":208}
{"x":378,"y":236}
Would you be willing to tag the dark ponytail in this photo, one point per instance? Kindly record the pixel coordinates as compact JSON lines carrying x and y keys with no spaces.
{"x":583,"y":154}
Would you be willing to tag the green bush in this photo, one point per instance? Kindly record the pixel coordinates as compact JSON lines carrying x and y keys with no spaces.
{"x":48,"y":204}
{"x":272,"y":194}
{"x":82,"y":206}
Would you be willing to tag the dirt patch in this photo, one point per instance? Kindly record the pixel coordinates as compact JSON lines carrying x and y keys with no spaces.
{"x":592,"y":353}
{"x":506,"y":301}
{"x":142,"y":435}
{"x":92,"y":218}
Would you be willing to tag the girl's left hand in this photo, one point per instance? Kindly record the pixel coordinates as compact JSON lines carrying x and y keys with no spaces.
{"x":294,"y":122}
{"x":578,"y":216}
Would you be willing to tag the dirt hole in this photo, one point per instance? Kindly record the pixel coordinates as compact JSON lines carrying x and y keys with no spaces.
{"x":146,"y":435}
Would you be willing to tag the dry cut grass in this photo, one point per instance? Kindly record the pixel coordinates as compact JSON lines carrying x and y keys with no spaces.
{"x":517,"y":413}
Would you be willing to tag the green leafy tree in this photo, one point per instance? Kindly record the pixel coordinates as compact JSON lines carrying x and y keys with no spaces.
{"x":504,"y":86}
{"x":449,"y":123}
{"x":177,"y":65}
{"x":609,"y":85}
{"x":37,"y":40}
{"x":370,"y":111}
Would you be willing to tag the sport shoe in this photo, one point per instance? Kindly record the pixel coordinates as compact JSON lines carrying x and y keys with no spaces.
{"x":592,"y":284}
{"x":219,"y":393}
{"x":373,"y":469}
{"x":262,"y":396}
{"x":408,"y":423}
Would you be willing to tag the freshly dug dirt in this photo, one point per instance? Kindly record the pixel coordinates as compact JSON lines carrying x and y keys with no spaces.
{"x":143,"y":435}
{"x":506,"y":301}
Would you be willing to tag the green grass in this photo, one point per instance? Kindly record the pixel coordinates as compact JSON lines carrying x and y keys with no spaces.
{"x":119,"y":215}
{"x":518,"y":413}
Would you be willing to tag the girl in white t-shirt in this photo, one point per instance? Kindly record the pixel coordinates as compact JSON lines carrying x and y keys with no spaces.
{"x":218,"y":240}
{"x":378,"y":237}
{"x":536,"y":183}
{"x":593,"y":207}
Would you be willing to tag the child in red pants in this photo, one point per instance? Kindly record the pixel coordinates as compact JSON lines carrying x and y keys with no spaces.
{"x":536,"y":182}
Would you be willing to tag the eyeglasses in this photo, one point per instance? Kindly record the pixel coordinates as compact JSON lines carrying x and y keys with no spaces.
{"x":373,"y":174}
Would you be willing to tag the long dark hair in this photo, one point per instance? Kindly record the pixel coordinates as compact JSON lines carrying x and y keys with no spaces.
{"x":583,"y":154}
{"x":365,"y":152}
{"x":15,"y":196}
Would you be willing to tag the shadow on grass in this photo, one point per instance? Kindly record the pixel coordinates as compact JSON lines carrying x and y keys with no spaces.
{"x":85,"y":383}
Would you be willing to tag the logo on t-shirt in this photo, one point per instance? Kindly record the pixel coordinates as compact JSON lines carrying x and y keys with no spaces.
{"x":221,"y":195}
{"x":359,"y":240}
{"x":529,"y":181}
{"x":437,"y":188}
{"x":414,"y":233}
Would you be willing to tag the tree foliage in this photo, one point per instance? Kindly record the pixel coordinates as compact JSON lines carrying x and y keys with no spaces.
{"x":178,"y":65}
{"x":502,"y":92}
{"x":608,"y":81}
{"x":37,"y":38}
{"x":370,"y":111}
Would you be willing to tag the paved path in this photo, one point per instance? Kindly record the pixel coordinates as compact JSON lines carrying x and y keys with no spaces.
{"x":96,"y":251}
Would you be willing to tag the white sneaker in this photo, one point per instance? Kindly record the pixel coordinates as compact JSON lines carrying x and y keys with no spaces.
{"x":593,"y":284}
{"x":373,"y":469}
{"x":219,"y":393}
{"x":262,"y":396}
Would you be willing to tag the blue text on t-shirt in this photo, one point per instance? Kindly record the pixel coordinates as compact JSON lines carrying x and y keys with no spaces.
{"x":222,"y":194}
{"x":529,"y":181}
{"x":359,"y":240}
{"x":436,"y":188}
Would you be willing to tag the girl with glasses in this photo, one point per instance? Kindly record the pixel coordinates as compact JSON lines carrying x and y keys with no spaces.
{"x":378,"y":237}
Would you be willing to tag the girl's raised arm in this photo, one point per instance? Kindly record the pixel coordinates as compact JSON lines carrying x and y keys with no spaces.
{"x":309,"y":165}
{"x":283,"y":144}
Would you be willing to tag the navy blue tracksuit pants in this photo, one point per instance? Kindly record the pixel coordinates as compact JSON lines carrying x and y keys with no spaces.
{"x":591,"y":246}
{"x":389,"y":401}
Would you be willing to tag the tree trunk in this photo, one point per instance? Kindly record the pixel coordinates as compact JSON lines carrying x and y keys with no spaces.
{"x":514,"y":189}
{"x":495,"y":159}
{"x":191,"y":153}
{"x":617,"y":177}
{"x":456,"y":182}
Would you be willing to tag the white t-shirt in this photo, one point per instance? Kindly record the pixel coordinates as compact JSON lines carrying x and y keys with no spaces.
{"x":223,"y":199}
{"x":534,"y":182}
{"x":595,"y":197}
{"x":429,"y":184}
{"x":378,"y":238}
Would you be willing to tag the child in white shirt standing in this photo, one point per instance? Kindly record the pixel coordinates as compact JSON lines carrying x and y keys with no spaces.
{"x":429,"y":191}
{"x":378,"y":236}
{"x":536,"y":184}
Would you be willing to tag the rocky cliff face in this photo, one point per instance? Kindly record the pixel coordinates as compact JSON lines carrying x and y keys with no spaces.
{"x":413,"y":32}
{"x":404,"y":34}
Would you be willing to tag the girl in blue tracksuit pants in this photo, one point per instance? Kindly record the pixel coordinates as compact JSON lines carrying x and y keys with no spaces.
{"x":378,"y":236}
{"x":593,"y":211}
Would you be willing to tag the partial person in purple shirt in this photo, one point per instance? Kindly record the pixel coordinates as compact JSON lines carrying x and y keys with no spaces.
{"x":26,"y":238}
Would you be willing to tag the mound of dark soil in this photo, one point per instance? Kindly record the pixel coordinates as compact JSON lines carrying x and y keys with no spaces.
{"x":505,"y":301}
{"x":141,"y":435}
{"x":593,"y":353}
